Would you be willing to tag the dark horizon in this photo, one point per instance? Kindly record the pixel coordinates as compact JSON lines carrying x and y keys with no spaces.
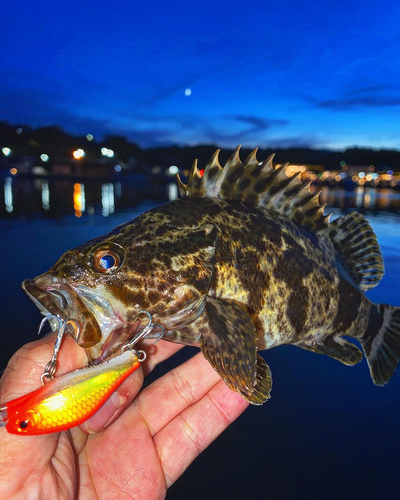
{"x":54,"y":141}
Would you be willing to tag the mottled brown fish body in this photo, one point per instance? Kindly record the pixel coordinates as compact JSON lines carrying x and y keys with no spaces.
{"x":246,"y":260}
{"x":287,"y":277}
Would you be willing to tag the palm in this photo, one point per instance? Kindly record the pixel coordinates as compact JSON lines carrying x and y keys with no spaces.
{"x":149,"y":445}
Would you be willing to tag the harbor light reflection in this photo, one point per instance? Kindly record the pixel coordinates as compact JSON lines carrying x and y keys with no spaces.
{"x":8,"y":195}
{"x":45,"y":195}
{"x":107,"y":199}
{"x":79,"y":199}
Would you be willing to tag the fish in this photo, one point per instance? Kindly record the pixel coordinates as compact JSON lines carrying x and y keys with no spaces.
{"x":244,"y":261}
{"x":68,"y":400}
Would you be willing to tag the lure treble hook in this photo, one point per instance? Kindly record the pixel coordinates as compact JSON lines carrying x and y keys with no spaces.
{"x":146,"y":330}
{"x":52,"y":365}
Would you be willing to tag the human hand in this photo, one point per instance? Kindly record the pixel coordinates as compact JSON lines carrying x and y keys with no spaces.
{"x":153,"y":438}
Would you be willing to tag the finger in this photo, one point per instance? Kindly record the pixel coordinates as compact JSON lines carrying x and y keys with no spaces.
{"x":168,"y":396}
{"x":21,"y":376}
{"x":123,"y":396}
{"x":185,"y":437}
{"x":23,"y":372}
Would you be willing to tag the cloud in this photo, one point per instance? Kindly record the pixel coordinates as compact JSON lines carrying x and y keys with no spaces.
{"x":260,"y":123}
{"x":374,"y":96}
{"x":256,"y":127}
{"x":295,"y":142}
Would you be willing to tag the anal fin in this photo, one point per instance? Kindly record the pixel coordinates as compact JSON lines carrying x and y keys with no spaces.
{"x":334,"y":347}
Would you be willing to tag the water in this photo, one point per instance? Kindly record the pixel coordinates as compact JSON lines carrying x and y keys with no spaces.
{"x":327,"y":432}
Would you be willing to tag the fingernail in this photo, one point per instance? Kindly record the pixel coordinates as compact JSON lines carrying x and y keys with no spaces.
{"x":105,"y":414}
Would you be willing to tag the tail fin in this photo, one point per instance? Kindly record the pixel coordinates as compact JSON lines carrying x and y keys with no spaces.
{"x":381,"y":342}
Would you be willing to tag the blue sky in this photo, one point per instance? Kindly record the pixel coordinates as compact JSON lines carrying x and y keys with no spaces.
{"x":269,"y":73}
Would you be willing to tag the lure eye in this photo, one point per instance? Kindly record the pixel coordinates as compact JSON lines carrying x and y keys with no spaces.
{"x":106,"y":261}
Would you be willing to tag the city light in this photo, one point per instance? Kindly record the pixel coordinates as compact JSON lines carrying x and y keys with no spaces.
{"x":173,"y":169}
{"x":44,"y":157}
{"x":19,"y":130}
{"x":188,"y":92}
{"x":13,"y":171}
{"x":6,"y":151}
{"x":107,"y":152}
{"x":78,"y":154}
{"x":118,"y":168}
{"x":89,"y":137}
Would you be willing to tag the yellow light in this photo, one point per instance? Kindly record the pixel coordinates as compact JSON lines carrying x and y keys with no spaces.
{"x":13,"y":171}
{"x":78,"y":154}
{"x":293,"y":169}
{"x":369,"y":178}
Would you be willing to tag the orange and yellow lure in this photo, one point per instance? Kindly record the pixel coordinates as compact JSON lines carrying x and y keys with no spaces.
{"x":68,"y":400}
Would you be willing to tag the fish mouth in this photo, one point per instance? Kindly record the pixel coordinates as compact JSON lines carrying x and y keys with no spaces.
{"x":53,"y":296}
{"x":92,"y":320}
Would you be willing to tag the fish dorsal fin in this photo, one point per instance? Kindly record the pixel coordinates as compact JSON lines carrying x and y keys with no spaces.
{"x":259,"y":183}
{"x":358,"y":248}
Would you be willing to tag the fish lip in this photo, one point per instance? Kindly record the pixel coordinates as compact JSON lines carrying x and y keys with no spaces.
{"x":45,"y":300}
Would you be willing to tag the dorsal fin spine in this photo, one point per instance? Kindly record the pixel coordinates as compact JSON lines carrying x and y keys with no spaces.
{"x":262,"y":184}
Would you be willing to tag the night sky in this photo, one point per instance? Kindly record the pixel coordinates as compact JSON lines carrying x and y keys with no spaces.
{"x":274,"y":73}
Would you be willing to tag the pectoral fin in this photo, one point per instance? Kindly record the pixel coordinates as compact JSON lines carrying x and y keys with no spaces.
{"x":335,"y":347}
{"x":228,"y":342}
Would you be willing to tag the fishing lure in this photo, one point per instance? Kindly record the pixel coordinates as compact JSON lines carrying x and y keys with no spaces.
{"x":69,"y":400}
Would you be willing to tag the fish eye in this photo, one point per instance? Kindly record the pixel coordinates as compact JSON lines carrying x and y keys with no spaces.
{"x":23,"y":424}
{"x":106,"y":261}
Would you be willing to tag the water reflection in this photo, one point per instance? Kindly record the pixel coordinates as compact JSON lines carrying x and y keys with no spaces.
{"x":172,"y":191}
{"x":45,"y":195}
{"x":107,"y":199}
{"x":362,"y":197}
{"x":24,"y":198}
{"x":8,"y":195}
{"x":79,"y":199}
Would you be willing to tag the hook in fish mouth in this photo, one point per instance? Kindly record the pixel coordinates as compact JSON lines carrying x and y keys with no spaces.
{"x":94,"y":322}
{"x":55,"y":297}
